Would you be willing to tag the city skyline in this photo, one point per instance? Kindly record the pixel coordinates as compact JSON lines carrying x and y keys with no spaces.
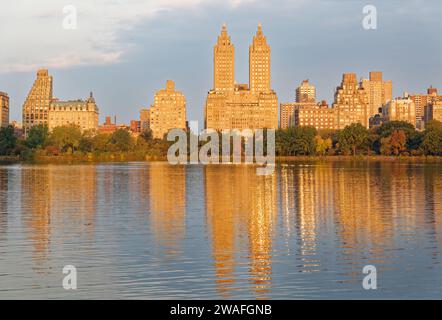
{"x":321,"y":57}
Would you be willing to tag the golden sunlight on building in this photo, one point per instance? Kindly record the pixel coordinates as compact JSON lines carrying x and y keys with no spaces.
{"x":379,"y":92}
{"x":36,"y":106}
{"x":168,"y":111}
{"x":400,"y":109}
{"x":40,"y":108}
{"x":4,"y":109}
{"x":422,"y":102}
{"x":239,"y":106}
{"x":350,"y":106}
{"x":351,"y":103}
{"x":83,"y":113}
{"x":433,"y":111}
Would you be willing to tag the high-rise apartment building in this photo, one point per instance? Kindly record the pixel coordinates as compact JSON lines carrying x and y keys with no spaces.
{"x":306,"y":92}
{"x":433,"y":111}
{"x":36,"y":106}
{"x":319,"y":116}
{"x":379,"y":92}
{"x":168,"y":111}
{"x":259,"y":63}
{"x":422,"y":101}
{"x":4,"y":109}
{"x":351,"y":103}
{"x":241,"y":106}
{"x":40,"y":108}
{"x":83,"y":113}
{"x":224,"y":63}
{"x":400,"y":109}
{"x":144,"y":119}
{"x":305,"y":98}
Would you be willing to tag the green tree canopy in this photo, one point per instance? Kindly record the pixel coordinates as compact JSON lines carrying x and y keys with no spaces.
{"x":66,"y":138}
{"x":352,"y":138}
{"x":432,"y":139}
{"x":37,"y":137}
{"x":8,"y":140}
{"x":296,"y":141}
{"x":100,"y":141}
{"x":146,"y":135}
{"x":121,"y":140}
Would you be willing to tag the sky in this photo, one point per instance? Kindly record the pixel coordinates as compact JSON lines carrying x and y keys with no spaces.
{"x":124,"y":51}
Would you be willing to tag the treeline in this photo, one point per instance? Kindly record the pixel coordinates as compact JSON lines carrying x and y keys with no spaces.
{"x":390,"y":139}
{"x":69,"y":141}
{"x":394,"y":138}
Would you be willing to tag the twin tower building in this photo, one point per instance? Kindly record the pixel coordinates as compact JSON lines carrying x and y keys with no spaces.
{"x":240,"y":106}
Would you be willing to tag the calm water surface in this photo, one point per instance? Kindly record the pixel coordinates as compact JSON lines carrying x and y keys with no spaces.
{"x":155,"y":231}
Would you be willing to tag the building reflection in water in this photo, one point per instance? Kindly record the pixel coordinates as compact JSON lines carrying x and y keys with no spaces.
{"x":168,"y":205}
{"x":305,"y":205}
{"x":4,"y":184}
{"x":57,"y":203}
{"x":241,"y":211}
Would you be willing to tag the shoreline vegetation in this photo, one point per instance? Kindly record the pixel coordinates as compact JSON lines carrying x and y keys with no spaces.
{"x":392,"y":141}
{"x":124,"y":158}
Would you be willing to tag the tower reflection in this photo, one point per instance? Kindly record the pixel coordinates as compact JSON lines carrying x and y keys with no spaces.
{"x":168,"y":205}
{"x":241,"y":211}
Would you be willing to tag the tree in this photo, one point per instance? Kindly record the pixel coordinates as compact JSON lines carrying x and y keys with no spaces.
{"x":8,"y":140}
{"x":414,"y":138}
{"x":432,"y":140}
{"x":37,"y":137}
{"x":66,"y":138}
{"x":296,"y":141}
{"x":121,"y":140}
{"x":433,"y":125}
{"x":323,"y":145}
{"x":394,"y":144}
{"x":86,"y":144}
{"x":387,"y":128}
{"x":100,"y":141}
{"x":352,"y":138}
{"x":146,"y":135}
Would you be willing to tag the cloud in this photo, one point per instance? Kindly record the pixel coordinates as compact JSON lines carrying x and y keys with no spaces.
{"x":32,"y":35}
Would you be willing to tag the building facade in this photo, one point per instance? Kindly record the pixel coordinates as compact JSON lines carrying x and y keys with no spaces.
{"x":351,"y":103}
{"x":168,"y":111}
{"x":83,"y":113}
{"x":319,"y":116}
{"x":379,"y":92}
{"x":144,"y":119}
{"x":4,"y":109}
{"x":36,"y":106}
{"x":241,"y":106}
{"x":306,"y":93}
{"x":40,"y":108}
{"x":433,"y":111}
{"x":400,"y":109}
{"x":305,"y":98}
{"x":422,"y":101}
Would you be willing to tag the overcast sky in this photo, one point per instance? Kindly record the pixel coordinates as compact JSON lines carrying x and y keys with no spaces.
{"x":124,"y":51}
